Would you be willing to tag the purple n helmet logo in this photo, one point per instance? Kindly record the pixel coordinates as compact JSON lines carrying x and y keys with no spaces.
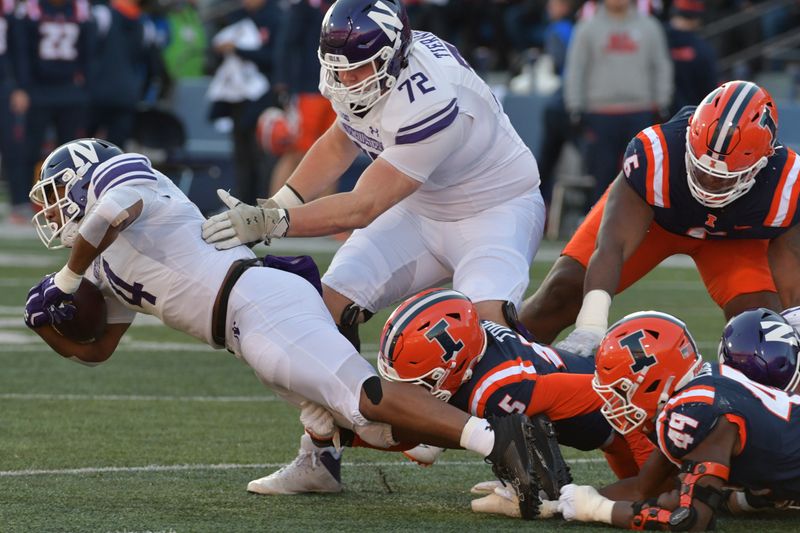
{"x":388,"y":20}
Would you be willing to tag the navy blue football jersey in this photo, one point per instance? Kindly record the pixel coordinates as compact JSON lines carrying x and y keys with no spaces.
{"x":768,"y":422}
{"x":54,"y":43}
{"x":655,"y":167}
{"x":504,"y":379}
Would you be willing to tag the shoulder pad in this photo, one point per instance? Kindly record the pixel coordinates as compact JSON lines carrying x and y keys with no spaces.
{"x":686,"y":420}
{"x":422,"y":98}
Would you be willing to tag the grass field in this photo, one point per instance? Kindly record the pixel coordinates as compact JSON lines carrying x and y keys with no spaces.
{"x":165,"y":435}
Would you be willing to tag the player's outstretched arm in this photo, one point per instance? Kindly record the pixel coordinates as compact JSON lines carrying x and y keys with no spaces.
{"x":380,"y":187}
{"x":704,"y":472}
{"x":91,"y":353}
{"x":625,"y":222}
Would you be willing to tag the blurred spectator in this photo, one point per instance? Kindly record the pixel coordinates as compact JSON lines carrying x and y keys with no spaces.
{"x":13,"y":107}
{"x":185,"y":52}
{"x":693,"y":59}
{"x":54,"y":47}
{"x":125,"y":40}
{"x":618,"y":81}
{"x":556,"y":119}
{"x":240,"y":88}
{"x":296,"y":82}
{"x":435,"y":16}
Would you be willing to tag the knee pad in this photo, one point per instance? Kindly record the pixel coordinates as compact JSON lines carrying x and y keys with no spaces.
{"x":349,"y":321}
{"x":512,"y":318}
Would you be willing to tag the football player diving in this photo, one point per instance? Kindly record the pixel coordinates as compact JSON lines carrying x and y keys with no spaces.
{"x":137,"y":236}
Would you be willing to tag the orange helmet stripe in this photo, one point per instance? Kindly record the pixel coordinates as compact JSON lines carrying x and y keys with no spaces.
{"x":784,"y":201}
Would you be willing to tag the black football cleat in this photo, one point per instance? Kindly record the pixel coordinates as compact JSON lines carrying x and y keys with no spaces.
{"x":551,"y":469}
{"x":511,"y":461}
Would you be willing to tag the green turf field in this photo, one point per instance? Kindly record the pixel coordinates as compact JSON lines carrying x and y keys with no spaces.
{"x":165,"y":435}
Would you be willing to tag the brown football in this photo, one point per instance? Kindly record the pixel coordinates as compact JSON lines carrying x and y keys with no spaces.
{"x":89,"y":322}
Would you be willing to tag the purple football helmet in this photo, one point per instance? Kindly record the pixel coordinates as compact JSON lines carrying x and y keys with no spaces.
{"x":356,"y":33}
{"x":64,"y":185}
{"x":763,"y":346}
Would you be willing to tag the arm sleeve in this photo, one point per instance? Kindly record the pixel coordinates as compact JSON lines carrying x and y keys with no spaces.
{"x":563,"y":395}
{"x":418,"y":160}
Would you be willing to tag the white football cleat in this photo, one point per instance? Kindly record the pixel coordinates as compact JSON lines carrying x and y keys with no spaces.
{"x":313,"y":470}
{"x":423,"y":454}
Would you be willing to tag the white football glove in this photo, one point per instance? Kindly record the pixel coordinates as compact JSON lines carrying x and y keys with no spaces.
{"x":243,"y":224}
{"x":423,"y":454}
{"x":585,"y":504}
{"x":502,"y":500}
{"x":582,"y":341}
{"x":319,"y":423}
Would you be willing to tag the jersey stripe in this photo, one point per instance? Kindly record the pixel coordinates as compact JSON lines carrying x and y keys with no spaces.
{"x":741,"y":426}
{"x":510,"y":372}
{"x":784,"y":201}
{"x":428,"y":126}
{"x":698,"y":394}
{"x":657,"y":183}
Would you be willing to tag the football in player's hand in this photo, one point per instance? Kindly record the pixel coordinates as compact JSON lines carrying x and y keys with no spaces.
{"x":89,"y":322}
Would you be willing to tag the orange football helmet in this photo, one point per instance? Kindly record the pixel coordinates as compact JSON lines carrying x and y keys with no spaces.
{"x":276,"y":130}
{"x":643,"y":359}
{"x":433,"y":339}
{"x":730,"y":136}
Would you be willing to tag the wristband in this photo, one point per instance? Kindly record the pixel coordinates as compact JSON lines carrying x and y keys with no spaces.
{"x":594,"y":311}
{"x":67,"y":281}
{"x":287,"y":197}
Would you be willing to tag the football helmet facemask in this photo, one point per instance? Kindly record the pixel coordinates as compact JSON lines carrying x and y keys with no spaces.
{"x":642,"y":360}
{"x":764,"y":347}
{"x":63,"y":188}
{"x":729,"y":138}
{"x":357,"y":33}
{"x":432,"y":339}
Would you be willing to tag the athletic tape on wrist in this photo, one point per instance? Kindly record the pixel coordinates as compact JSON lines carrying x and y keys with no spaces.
{"x":594,"y":311}
{"x":67,"y":280}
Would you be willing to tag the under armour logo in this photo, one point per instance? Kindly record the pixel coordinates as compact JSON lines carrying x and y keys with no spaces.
{"x":373,"y":131}
{"x":236,"y":331}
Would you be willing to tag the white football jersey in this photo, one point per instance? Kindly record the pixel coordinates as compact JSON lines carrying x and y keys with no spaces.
{"x":441,"y":125}
{"x":159,"y":265}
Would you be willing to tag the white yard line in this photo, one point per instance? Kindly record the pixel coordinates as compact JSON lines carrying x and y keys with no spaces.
{"x":229,"y":466}
{"x":134,"y":398}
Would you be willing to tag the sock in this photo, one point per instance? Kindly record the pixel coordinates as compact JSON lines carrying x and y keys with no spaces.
{"x":478,"y":436}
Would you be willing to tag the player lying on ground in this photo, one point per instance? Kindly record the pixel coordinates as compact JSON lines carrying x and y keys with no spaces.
{"x":715,"y":428}
{"x":436,"y":340}
{"x":137,"y":236}
{"x":714,"y":183}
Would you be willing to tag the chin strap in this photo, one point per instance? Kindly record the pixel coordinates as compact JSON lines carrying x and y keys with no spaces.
{"x":649,"y":516}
